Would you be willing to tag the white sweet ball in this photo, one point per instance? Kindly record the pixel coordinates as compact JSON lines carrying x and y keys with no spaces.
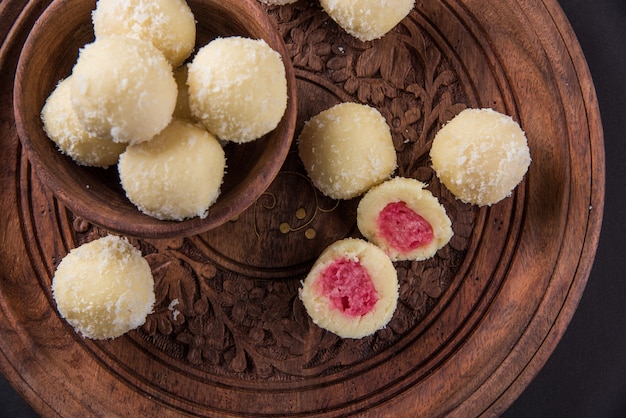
{"x":176,"y":175}
{"x":347,"y":149}
{"x":367,"y":19}
{"x":480,"y":155}
{"x":352,"y":289}
{"x":404,"y":219}
{"x":104,"y":288}
{"x":123,"y":89}
{"x":168,"y":24}
{"x":237,"y":88}
{"x":61,"y":125}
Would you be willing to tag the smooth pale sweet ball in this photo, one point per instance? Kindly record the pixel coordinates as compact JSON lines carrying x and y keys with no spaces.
{"x":367,"y":19}
{"x":176,"y":175}
{"x":169,"y":24}
{"x":104,"y":288}
{"x":352,"y":289}
{"x":480,"y":155}
{"x":61,"y":125}
{"x":123,"y":89}
{"x":238,"y":88}
{"x":404,"y":219}
{"x":347,"y":149}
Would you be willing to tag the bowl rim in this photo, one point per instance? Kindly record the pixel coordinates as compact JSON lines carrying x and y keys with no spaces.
{"x":147,"y":226}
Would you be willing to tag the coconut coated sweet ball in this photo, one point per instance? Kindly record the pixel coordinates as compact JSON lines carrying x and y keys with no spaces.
{"x":367,"y":19}
{"x":404,"y":219}
{"x":480,"y":155}
{"x":347,"y":149}
{"x":237,"y":88}
{"x":61,"y":125}
{"x":123,"y":89}
{"x":352,"y":289}
{"x":168,"y":24}
{"x":104,"y":288}
{"x":176,"y":175}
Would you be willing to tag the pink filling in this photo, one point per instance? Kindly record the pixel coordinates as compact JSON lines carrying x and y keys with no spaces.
{"x":403,"y":228}
{"x":348,"y":286}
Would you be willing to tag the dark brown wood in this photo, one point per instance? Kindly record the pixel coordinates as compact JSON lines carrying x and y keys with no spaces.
{"x":48,"y":56}
{"x":473,"y":326}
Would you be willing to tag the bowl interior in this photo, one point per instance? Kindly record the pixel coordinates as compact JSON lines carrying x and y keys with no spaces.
{"x":94,"y":193}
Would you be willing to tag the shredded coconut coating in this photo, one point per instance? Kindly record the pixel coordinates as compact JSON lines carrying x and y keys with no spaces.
{"x":168,"y":24}
{"x":347,"y":149}
{"x":104,"y":288}
{"x":413,"y":193}
{"x":238,"y":88}
{"x":481,"y":155}
{"x":62,"y":126}
{"x":367,"y":19}
{"x":123,"y":89}
{"x":176,"y":175}
{"x":383,"y":276}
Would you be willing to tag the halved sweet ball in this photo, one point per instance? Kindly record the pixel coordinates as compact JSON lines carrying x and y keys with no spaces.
{"x":63,"y":128}
{"x":404,"y":219}
{"x":168,"y":24}
{"x":352,"y":289}
{"x":480,"y":155}
{"x":104,"y":288}
{"x":367,"y":19}
{"x":123,"y":89}
{"x":238,"y":88}
{"x":176,"y":175}
{"x":347,"y":149}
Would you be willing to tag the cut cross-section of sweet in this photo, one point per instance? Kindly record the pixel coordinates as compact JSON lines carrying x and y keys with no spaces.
{"x":404,"y":219}
{"x":352,"y":289}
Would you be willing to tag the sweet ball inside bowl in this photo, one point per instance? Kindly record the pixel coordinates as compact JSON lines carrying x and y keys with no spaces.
{"x":96,"y":193}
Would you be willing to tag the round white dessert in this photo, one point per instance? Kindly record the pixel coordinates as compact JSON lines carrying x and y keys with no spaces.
{"x":176,"y":175}
{"x":63,"y":128}
{"x":238,"y":88}
{"x":104,"y":288}
{"x":352,"y":289}
{"x":168,"y":24}
{"x":367,"y":19}
{"x":480,"y":155}
{"x":123,"y":89}
{"x":347,"y":149}
{"x":404,"y":219}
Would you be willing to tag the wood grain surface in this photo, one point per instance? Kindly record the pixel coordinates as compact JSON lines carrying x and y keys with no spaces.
{"x":229,"y":336}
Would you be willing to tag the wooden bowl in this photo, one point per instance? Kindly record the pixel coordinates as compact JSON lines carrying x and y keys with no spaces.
{"x":48,"y":56}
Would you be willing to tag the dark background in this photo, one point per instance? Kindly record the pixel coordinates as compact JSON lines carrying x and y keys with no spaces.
{"x":586,"y":375}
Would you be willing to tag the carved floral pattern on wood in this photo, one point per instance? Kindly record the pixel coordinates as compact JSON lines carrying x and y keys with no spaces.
{"x":232,"y":322}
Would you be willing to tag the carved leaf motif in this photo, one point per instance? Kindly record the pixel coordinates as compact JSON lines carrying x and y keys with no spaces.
{"x":289,"y":334}
{"x":325,"y":353}
{"x":173,"y":282}
{"x":430,"y":280}
{"x":239,"y":362}
{"x":396,"y":74}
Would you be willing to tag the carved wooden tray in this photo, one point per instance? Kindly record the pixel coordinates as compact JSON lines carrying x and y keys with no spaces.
{"x":229,"y":336}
